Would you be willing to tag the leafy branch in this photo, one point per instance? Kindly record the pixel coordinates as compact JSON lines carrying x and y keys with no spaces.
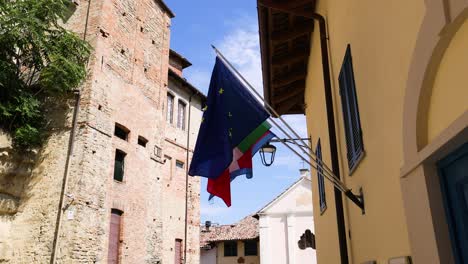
{"x":40,"y":60}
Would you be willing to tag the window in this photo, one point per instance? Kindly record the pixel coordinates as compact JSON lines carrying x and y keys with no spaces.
{"x":170,"y":108}
{"x":119,"y":165}
{"x":349,"y":104}
{"x":179,"y":164}
{"x":142,"y":141}
{"x":230,"y":248}
{"x":114,"y":236}
{"x":121,"y":131}
{"x":181,"y":115}
{"x":320,"y":178}
{"x":250,"y":248}
{"x":178,"y":251}
{"x":158,"y":151}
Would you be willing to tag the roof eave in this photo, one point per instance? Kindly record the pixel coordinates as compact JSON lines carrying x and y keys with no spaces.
{"x":166,"y":8}
{"x":185,"y":63}
{"x":264,"y":52}
{"x":187,"y":84}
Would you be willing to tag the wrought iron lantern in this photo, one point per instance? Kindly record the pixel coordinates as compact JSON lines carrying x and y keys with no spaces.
{"x":267,"y":154}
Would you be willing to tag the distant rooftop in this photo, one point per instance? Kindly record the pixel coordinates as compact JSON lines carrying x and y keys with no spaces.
{"x":245,"y":229}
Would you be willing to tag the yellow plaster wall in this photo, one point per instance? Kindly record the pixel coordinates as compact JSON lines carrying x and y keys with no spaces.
{"x":382,"y":35}
{"x":449,"y":98}
{"x":240,"y":253}
{"x":325,"y":224}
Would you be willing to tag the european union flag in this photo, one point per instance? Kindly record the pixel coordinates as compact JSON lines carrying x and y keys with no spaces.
{"x":233,"y":126}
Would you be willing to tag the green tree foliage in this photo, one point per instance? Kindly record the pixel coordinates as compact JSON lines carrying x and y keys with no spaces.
{"x":40,"y":61}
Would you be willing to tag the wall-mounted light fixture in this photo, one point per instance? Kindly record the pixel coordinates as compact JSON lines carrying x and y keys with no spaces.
{"x":268,"y":151}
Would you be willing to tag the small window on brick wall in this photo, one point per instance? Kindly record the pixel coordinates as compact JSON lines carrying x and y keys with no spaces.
{"x":121,"y":132}
{"x":158,"y":151}
{"x":119,"y":165}
{"x":179,"y":164}
{"x":142,"y":141}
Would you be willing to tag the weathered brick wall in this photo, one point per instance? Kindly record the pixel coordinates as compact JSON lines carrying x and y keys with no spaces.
{"x":127,"y":83}
{"x":129,"y":77}
{"x":173,"y":190}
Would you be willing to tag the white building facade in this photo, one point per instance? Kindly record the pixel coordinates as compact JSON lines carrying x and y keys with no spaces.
{"x":283,"y":221}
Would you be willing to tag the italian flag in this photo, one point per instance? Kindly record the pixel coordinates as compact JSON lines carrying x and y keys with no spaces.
{"x":241,"y":162}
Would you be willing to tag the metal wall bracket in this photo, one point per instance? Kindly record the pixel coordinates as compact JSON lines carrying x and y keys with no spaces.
{"x":357,"y":199}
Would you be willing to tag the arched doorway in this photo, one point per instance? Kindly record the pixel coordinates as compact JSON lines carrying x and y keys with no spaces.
{"x":435,"y":121}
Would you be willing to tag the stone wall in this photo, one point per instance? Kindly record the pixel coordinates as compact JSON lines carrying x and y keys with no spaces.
{"x":127,"y":84}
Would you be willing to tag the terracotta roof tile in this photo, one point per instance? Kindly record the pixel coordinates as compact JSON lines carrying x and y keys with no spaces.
{"x":245,"y":229}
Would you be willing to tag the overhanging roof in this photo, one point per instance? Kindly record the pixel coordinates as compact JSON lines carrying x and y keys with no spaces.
{"x":186,"y":84}
{"x":166,"y":8}
{"x":183,"y":61}
{"x":285,"y":48}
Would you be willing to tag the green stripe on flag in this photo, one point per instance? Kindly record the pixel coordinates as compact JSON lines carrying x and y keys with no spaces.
{"x":254,"y":136}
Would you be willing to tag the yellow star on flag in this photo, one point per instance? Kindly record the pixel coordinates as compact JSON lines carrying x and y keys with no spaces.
{"x":221,"y":91}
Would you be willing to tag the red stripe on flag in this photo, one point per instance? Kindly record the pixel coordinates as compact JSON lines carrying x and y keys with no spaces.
{"x":221,"y":187}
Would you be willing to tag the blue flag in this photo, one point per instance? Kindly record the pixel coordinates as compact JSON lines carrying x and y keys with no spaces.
{"x":230,"y":116}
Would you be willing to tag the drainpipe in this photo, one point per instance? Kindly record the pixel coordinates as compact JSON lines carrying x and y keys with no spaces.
{"x":71,"y":143}
{"x":340,"y":218}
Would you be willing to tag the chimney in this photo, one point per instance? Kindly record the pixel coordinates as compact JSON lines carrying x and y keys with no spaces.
{"x":304,"y":173}
{"x":207,"y":226}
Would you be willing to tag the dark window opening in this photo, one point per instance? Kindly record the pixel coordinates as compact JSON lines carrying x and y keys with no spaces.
{"x":121,"y":131}
{"x":351,"y":119}
{"x":119,"y":165}
{"x":179,"y":164}
{"x":320,"y":178}
{"x":142,"y":141}
{"x":250,"y":248}
{"x":230,"y":248}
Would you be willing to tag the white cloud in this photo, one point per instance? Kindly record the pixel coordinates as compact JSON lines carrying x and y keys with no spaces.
{"x":241,"y":47}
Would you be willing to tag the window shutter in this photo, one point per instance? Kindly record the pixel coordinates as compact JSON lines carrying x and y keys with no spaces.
{"x":351,"y":119}
{"x":178,"y":251}
{"x":114,"y":236}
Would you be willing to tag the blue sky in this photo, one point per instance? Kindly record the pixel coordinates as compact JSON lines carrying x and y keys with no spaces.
{"x":232,"y":27}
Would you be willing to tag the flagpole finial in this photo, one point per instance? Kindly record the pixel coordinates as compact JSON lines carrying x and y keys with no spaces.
{"x":215,"y":49}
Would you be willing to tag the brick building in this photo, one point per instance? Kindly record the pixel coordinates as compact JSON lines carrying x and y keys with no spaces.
{"x":183,"y":115}
{"x":112,"y":160}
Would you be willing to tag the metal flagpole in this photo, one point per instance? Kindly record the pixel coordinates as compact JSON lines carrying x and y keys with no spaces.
{"x":358,"y":200}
